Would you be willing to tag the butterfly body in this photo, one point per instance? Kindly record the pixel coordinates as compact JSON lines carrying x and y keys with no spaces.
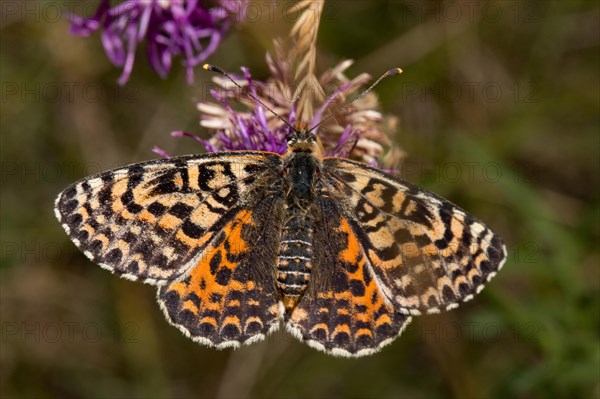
{"x":238,"y":243}
{"x":300,"y":174}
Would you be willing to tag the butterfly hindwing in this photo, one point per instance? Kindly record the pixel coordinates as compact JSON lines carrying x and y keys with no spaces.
{"x":151,"y":221}
{"x":426,"y":253}
{"x":230,"y":297}
{"x":343,"y":312}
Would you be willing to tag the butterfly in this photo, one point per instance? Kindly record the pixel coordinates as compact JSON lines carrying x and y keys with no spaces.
{"x":238,"y":243}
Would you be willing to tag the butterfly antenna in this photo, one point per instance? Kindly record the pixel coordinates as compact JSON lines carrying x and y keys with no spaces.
{"x":213,"y":68}
{"x":391,"y":72}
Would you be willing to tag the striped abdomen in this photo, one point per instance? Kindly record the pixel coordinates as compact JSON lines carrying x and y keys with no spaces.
{"x":294,"y":264}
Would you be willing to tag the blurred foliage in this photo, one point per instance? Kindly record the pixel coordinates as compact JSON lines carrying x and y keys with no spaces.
{"x":499,"y":112}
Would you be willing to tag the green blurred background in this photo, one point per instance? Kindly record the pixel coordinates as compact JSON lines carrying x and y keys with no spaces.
{"x":499,"y":112}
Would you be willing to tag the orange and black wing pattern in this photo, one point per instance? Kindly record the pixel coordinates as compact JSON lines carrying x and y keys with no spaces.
{"x":202,"y":228}
{"x":343,"y":311}
{"x":234,"y":247}
{"x":152,"y":221}
{"x":230,"y":296}
{"x":425,"y":253}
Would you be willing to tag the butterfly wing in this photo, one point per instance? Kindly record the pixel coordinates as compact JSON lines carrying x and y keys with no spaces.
{"x":426,"y":253}
{"x":230,"y":297}
{"x":342,"y":311}
{"x":152,"y":221}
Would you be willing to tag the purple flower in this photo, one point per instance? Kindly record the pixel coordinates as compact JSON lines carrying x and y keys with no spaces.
{"x":359,"y":132}
{"x":187,"y":28}
{"x":258,"y":129}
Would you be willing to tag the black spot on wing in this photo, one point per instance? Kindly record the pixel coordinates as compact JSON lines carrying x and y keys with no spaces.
{"x":68,"y":193}
{"x":215,"y":262}
{"x":157,"y":209}
{"x":164,"y":187}
{"x":182,"y":169}
{"x":136,"y":176}
{"x":182,"y":211}
{"x":191,"y":229}
{"x":205,"y":176}
{"x":107,"y":177}
{"x":223,"y":276}
{"x":69,"y":207}
{"x":114,"y":256}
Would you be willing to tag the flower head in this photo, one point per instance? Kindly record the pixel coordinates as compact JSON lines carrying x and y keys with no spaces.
{"x":254,"y":129}
{"x":359,"y":131}
{"x":187,"y":28}
{"x":295,"y":98}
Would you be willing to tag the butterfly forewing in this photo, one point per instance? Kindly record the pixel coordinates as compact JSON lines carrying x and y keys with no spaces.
{"x":151,"y":221}
{"x":426,"y":253}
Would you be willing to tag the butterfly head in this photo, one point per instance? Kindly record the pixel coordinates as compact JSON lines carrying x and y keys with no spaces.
{"x":302,"y":140}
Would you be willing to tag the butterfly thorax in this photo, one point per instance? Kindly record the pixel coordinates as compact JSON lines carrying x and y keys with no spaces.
{"x":302,"y":170}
